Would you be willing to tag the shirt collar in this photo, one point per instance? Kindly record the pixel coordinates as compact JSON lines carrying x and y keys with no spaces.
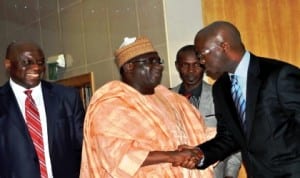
{"x":19,"y":89}
{"x":242,"y":68}
{"x":195,"y":92}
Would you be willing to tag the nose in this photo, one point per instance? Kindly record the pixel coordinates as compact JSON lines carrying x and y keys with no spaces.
{"x":202,"y":61}
{"x":158,"y":66}
{"x":36,"y":67}
{"x":192,"y":67}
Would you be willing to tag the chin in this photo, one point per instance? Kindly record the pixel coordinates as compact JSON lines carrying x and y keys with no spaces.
{"x":32,"y":84}
{"x":213,"y":76}
{"x":191,"y":83}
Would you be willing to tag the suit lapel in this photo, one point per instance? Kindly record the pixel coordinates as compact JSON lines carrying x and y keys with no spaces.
{"x":50,"y":101}
{"x":253,"y":85}
{"x":229,"y":109}
{"x":14,"y":113}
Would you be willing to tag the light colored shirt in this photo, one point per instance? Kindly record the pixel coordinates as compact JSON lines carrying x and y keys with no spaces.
{"x":38,"y":98}
{"x":242,"y":71}
{"x":122,"y":126}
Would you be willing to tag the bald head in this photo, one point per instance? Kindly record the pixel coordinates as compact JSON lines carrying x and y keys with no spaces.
{"x":222,"y":31}
{"x":219,"y":47}
{"x":14,"y":48}
{"x":25,"y":63}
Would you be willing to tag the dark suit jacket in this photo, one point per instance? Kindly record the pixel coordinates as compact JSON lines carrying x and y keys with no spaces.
{"x":271,"y":146}
{"x":65,"y":115}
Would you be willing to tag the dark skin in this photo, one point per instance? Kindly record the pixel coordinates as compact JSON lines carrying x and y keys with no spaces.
{"x":144,"y":73}
{"x":220,"y":49}
{"x":25,"y":63}
{"x":190,"y":69}
{"x":142,"y":76}
{"x":191,"y":73}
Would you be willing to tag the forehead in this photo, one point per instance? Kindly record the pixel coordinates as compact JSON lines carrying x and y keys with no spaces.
{"x":187,"y":56}
{"x":207,"y":35}
{"x":146,"y":56}
{"x":202,"y":41}
{"x":187,"y":53}
{"x":27,"y":49}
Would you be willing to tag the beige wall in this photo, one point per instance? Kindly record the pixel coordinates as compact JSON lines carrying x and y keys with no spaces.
{"x":87,"y":30}
{"x":183,"y":19}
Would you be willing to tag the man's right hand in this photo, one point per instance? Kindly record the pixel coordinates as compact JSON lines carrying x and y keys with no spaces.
{"x":196,"y":151}
{"x":187,"y":157}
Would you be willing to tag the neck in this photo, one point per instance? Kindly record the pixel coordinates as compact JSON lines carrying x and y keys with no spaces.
{"x":143,"y":90}
{"x":189,"y":88}
{"x":146,"y":91}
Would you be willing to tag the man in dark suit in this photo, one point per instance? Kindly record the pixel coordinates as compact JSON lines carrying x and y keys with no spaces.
{"x":199,"y":93}
{"x":268,"y":130}
{"x":60,"y":115}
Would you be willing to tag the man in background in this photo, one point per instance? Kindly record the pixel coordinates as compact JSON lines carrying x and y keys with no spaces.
{"x":40,"y":122}
{"x":133,"y":126}
{"x":199,"y":93}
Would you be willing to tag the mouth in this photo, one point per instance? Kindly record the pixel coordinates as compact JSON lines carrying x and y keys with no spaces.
{"x":156,"y":75}
{"x":213,"y":75}
{"x":190,"y":78}
{"x":33,"y":76}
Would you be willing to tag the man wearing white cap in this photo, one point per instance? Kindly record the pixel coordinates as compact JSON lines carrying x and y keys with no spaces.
{"x":133,"y":127}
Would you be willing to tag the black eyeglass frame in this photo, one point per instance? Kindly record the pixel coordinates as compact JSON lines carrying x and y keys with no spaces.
{"x":149,"y":61}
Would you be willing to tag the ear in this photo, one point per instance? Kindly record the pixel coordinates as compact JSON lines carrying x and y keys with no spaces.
{"x":225,"y":46}
{"x":7,"y":64}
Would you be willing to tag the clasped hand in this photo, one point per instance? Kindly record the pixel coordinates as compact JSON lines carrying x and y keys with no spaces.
{"x":187,"y":156}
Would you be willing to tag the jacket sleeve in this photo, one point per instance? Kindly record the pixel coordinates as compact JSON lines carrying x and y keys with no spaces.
{"x":75,"y":111}
{"x":224,"y":143}
{"x":218,"y":148}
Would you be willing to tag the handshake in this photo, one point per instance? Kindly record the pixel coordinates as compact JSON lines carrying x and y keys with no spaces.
{"x":186,"y":156}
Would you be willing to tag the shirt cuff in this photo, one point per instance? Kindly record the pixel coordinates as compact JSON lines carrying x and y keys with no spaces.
{"x":201,"y":162}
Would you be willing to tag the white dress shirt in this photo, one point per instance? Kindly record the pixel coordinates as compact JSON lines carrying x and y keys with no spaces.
{"x":38,"y":98}
{"x":241,"y":72}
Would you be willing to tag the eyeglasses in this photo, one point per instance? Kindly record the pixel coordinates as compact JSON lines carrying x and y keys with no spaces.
{"x":201,"y":55}
{"x":150,"y":61}
{"x":28,"y":62}
{"x":205,"y":52}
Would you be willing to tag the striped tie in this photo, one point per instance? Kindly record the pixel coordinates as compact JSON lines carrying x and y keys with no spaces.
{"x":239,"y":101}
{"x":35,"y":130}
